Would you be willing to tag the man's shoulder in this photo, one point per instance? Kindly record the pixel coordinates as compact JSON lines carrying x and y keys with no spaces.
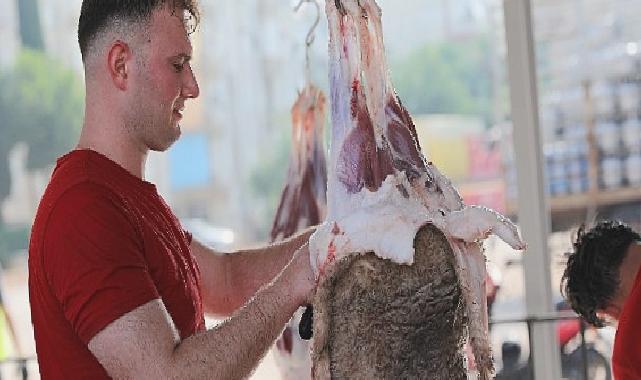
{"x":76,"y":179}
{"x":84,"y":195}
{"x":70,"y":170}
{"x":79,"y":166}
{"x":63,"y":202}
{"x":73,"y":216}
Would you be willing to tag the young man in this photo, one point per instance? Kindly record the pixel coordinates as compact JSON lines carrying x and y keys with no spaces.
{"x":117,"y":288}
{"x":602,"y":279}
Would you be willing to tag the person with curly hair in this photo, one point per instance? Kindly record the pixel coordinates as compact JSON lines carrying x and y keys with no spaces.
{"x":601,"y":280}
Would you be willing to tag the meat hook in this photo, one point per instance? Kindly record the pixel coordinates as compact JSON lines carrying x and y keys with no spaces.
{"x":309,"y":39}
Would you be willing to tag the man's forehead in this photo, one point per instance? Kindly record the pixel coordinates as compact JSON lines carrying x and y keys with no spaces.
{"x":168,"y":28}
{"x":165,"y":17}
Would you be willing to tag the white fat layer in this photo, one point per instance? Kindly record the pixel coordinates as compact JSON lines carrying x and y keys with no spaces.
{"x":384,"y":222}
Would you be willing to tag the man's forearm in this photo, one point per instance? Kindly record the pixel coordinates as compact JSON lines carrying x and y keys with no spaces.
{"x":253,"y":268}
{"x":145,"y":344}
{"x":229,"y":280}
{"x":234,"y":348}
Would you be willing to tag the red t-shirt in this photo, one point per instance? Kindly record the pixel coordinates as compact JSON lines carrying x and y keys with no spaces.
{"x":103,"y":243}
{"x":626,"y":356}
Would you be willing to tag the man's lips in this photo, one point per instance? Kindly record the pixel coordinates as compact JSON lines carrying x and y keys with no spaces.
{"x":178,"y":112}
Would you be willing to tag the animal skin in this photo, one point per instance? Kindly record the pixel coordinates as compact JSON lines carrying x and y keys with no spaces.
{"x":369,"y":325}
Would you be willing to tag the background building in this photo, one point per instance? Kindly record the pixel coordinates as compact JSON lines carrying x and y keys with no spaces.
{"x":9,"y":33}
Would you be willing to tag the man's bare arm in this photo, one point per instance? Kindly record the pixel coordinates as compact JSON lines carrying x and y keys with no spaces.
{"x":144,"y":343}
{"x":229,"y":280}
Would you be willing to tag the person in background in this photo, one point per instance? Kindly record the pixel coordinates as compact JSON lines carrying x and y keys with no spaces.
{"x":117,"y":288}
{"x":601,"y":280}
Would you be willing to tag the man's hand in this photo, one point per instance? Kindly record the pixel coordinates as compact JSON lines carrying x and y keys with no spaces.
{"x":302,"y":275}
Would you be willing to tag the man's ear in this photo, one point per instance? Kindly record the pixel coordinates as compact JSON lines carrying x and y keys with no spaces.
{"x":118,"y":64}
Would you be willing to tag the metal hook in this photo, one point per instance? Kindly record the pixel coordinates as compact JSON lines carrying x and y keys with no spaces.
{"x":309,"y":39}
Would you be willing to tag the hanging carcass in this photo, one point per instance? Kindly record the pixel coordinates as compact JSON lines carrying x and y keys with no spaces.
{"x":302,"y":204}
{"x":378,"y":318}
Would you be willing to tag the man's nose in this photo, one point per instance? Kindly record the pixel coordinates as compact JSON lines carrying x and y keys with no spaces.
{"x":190,"y":87}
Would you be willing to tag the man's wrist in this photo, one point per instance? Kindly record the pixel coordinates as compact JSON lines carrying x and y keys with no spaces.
{"x":303,"y":237}
{"x":298,"y":276}
{"x":305,"y":275}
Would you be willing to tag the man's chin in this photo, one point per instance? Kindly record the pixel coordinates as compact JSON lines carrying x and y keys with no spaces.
{"x":161,"y":146}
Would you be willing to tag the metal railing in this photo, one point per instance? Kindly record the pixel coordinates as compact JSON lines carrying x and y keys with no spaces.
{"x":549,"y":318}
{"x":22,"y":364}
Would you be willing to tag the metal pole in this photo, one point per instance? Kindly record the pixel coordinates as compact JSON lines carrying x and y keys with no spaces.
{"x":532,"y":201}
{"x":23,"y":369}
{"x":530,"y":337}
{"x":584,"y":351}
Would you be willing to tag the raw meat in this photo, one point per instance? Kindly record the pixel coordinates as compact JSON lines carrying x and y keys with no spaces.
{"x":302,"y":204}
{"x":381,"y":189}
{"x":303,"y":201}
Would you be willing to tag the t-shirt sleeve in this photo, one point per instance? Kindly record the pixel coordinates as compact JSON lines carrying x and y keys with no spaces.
{"x":626,"y":356}
{"x":94,"y":259}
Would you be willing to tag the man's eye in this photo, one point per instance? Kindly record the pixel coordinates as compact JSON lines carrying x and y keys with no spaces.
{"x":178,"y":67}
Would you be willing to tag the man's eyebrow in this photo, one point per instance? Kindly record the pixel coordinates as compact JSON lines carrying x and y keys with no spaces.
{"x":184,"y":56}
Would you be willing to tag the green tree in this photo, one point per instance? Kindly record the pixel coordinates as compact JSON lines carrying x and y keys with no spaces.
{"x":41,"y":103}
{"x":447,"y":77}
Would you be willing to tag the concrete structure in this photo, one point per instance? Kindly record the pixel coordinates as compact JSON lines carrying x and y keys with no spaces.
{"x":59,"y":21}
{"x":9,"y":32}
{"x":534,"y":218}
{"x":19,"y":208}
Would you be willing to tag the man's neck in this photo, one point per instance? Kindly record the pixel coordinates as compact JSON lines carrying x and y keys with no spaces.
{"x":115,"y":147}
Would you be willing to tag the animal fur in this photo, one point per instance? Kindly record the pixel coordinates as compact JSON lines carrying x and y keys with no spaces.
{"x":374,"y":319}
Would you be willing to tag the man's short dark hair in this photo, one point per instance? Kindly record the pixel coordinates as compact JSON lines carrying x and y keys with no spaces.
{"x":97,"y":16}
{"x":591,"y":276}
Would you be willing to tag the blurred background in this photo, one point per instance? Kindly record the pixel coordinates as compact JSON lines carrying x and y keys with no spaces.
{"x":448,"y":61}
